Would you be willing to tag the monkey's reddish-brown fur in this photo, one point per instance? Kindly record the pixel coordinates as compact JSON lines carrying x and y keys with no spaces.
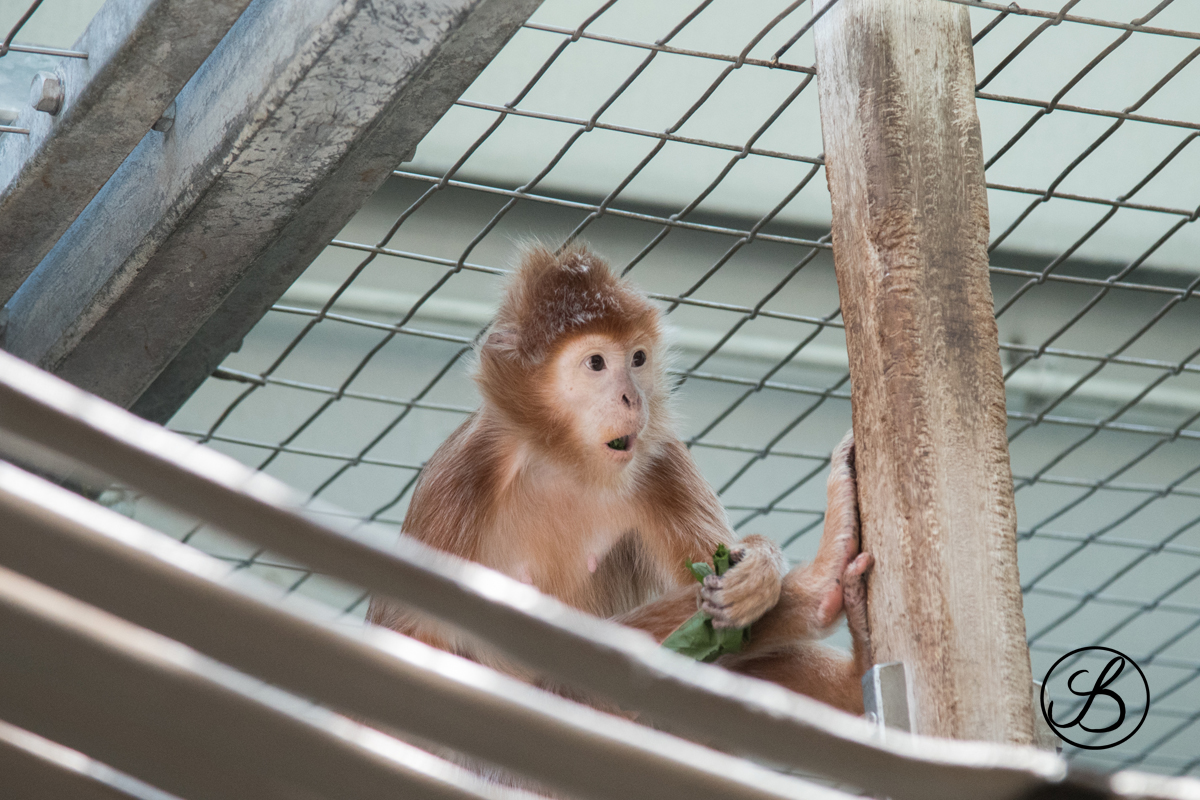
{"x":519,"y":488}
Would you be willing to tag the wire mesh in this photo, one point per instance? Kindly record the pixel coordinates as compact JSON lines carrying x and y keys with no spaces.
{"x":48,"y":22}
{"x":26,"y":14}
{"x":683,"y":142}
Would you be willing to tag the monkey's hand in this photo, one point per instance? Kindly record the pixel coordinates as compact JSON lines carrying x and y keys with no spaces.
{"x":749,"y":589}
{"x":854,"y":593}
{"x":854,"y":599}
{"x":839,"y":546}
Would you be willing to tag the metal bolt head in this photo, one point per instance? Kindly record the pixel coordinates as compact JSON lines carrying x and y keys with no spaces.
{"x":46,"y":93}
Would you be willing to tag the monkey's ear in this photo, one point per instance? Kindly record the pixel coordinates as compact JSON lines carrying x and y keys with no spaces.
{"x":502,"y":342}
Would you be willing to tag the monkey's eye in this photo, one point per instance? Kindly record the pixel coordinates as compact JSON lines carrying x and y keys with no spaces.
{"x":596,"y":363}
{"x":639,"y":358}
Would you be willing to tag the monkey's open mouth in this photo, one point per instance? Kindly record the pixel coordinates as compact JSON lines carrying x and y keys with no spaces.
{"x":620,"y":443}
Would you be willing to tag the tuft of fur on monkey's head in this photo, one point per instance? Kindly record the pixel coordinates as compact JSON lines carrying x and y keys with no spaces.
{"x":554,"y":305}
{"x":552,"y":297}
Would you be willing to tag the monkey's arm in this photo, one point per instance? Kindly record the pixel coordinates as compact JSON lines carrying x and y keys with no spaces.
{"x":810,"y":598}
{"x":756,"y":590}
{"x":783,"y":646}
{"x":815,"y":594}
{"x":684,"y":523}
{"x":750,"y":589}
{"x":659,"y":617}
{"x":446,"y":509}
{"x":803,"y":611}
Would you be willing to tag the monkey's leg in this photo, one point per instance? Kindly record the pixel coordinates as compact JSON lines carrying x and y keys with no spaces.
{"x":805,"y":665}
{"x":811,"y":668}
{"x":659,"y":617}
{"x":803,"y":611}
{"x":814,"y":595}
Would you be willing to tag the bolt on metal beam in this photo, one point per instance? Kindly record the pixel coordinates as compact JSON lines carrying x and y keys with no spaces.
{"x":299,"y":116}
{"x":140,"y":53}
{"x":46,"y":94}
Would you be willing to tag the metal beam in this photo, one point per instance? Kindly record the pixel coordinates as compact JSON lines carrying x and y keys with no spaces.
{"x":39,"y":769}
{"x":295,"y":119}
{"x":758,"y":719}
{"x":140,"y":54}
{"x":168,"y":715}
{"x":96,"y":555}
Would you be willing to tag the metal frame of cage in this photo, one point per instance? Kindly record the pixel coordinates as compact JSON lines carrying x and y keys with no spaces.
{"x":131,"y":630}
{"x":1124,"y":279}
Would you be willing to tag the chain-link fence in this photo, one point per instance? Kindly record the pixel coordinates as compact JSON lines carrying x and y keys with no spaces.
{"x":37,"y":34}
{"x":683,"y":142}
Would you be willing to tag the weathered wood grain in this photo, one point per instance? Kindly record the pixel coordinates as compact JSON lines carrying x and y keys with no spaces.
{"x":910,"y":226}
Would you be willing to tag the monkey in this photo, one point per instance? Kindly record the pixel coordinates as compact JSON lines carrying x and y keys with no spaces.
{"x":570,"y":477}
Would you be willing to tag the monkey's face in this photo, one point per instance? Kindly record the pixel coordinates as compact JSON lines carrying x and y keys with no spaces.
{"x":602,"y":386}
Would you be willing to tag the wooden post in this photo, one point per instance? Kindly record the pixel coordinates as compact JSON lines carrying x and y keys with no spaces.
{"x":910,"y":227}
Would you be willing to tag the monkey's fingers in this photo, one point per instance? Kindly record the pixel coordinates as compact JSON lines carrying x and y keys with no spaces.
{"x":739,"y":597}
{"x":712,"y":602}
{"x":854,"y":591}
{"x":860,"y":566}
{"x":840,"y":540}
{"x":712,"y":595}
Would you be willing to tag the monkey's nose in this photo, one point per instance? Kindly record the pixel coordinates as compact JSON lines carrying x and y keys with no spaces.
{"x":631,"y":397}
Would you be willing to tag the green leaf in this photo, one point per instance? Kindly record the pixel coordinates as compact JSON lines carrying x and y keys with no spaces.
{"x":695,"y":638}
{"x":729,"y":640}
{"x":700,"y":570}
{"x":721,"y":559}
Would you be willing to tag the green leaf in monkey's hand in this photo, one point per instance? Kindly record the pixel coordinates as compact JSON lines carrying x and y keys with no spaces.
{"x":697,"y":637}
{"x":700,"y":570}
{"x":721,"y":559}
{"x":730,"y":640}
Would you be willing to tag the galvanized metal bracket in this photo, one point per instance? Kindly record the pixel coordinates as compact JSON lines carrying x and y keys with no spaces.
{"x":885,"y":701}
{"x":885,"y":696}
